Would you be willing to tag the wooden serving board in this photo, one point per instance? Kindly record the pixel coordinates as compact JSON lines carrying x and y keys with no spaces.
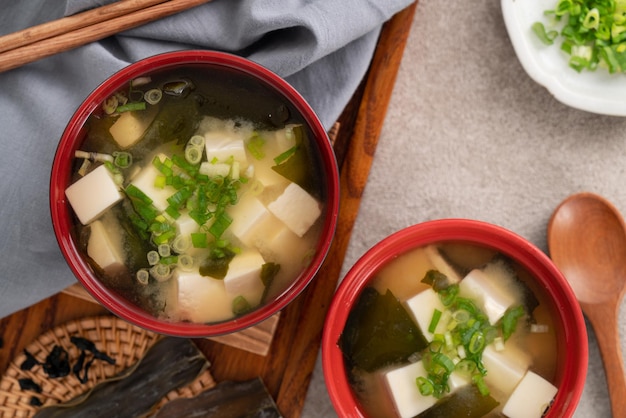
{"x":287,"y":366}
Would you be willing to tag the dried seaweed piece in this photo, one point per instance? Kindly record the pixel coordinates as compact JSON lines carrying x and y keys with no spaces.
{"x":29,"y":362}
{"x":248,"y":399}
{"x":35,"y":401}
{"x":169,"y":364}
{"x":57,"y":363}
{"x":29,"y":384}
{"x":86,"y":345}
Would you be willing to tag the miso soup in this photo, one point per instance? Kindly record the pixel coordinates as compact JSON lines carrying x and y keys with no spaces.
{"x":451,"y":330}
{"x":198,"y":194}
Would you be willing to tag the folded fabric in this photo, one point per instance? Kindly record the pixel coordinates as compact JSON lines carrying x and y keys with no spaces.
{"x":322,"y":47}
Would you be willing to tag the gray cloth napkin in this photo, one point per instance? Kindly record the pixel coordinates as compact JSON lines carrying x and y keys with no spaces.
{"x":322,"y":47}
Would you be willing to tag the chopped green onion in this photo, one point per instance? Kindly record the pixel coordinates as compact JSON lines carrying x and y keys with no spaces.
{"x":169,"y":260}
{"x":160,"y":181}
{"x":197,"y":141}
{"x":479,"y":381}
{"x":161,"y":272}
{"x":597,"y":28}
{"x":477,"y":342}
{"x":193,"y":154}
{"x":143,"y":276}
{"x":122,"y":159}
{"x":163,"y":166}
{"x":164,"y":250}
{"x":94,"y":156}
{"x":181,"y":244}
{"x":284,"y":156}
{"x":153,"y":258}
{"x":255,"y":146}
{"x":220,"y":225}
{"x":140,"y":81}
{"x":110,"y":104}
{"x":185,"y":262}
{"x":172,"y":211}
{"x":153,"y":96}
{"x":129,"y":107}
{"x":509,"y":321}
{"x":434,"y":321}
{"x":425,"y":386}
{"x":465,"y":367}
{"x":592,"y":19}
{"x":449,"y":294}
{"x":547,"y":37}
{"x":199,"y":240}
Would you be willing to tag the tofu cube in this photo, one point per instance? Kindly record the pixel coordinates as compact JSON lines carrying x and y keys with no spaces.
{"x":491,"y":295}
{"x":93,"y":194}
{"x":505,"y":369}
{"x":221,"y":145}
{"x":248,"y":215}
{"x":185,"y":225}
{"x":441,"y":265}
{"x":282,"y":244}
{"x":422,"y":306}
{"x":296,"y":208}
{"x":105,"y":247}
{"x":405,"y":394}
{"x":201,"y":298}
{"x":130,"y":127}
{"x":144,"y":181}
{"x":244,"y":277}
{"x":264,"y":173}
{"x":531,"y":397}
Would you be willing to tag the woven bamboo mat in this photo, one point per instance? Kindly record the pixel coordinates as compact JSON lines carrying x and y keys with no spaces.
{"x":120,"y":340}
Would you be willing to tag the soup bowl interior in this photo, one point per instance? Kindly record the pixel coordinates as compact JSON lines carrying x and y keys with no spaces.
{"x":571,"y":337}
{"x":256,"y":83}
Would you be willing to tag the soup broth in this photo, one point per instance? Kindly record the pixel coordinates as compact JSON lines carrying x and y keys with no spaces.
{"x":216,"y":194}
{"x":375,"y":345}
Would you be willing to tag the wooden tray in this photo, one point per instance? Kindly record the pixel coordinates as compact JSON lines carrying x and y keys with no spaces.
{"x":287,"y":368}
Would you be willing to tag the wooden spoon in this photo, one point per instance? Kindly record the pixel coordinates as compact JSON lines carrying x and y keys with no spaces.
{"x":587,"y":242}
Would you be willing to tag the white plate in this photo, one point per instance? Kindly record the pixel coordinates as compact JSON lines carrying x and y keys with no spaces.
{"x":592,"y":91}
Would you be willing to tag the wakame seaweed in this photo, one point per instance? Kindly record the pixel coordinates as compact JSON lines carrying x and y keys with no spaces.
{"x":297,"y":167}
{"x":247,"y":399}
{"x":466,"y":402}
{"x":170,"y":363}
{"x":379,"y":332}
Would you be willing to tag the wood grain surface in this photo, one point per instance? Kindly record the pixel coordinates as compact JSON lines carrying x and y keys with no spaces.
{"x":286,"y":369}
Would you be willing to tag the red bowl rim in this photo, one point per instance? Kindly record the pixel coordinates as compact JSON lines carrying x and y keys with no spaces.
{"x":61,"y":213}
{"x":574,"y":364}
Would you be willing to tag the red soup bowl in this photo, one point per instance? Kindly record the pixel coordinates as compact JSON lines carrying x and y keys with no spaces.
{"x":218,"y":279}
{"x":356,"y":376}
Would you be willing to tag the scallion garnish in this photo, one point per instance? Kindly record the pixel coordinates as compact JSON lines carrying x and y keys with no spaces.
{"x":593,"y":32}
{"x":129,"y":107}
{"x":434,"y":321}
{"x":284,"y":156}
{"x":255,"y":146}
{"x":463,"y":333}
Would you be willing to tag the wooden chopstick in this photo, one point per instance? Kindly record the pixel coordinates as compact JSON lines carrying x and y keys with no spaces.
{"x":71,"y":36}
{"x":70,"y":23}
